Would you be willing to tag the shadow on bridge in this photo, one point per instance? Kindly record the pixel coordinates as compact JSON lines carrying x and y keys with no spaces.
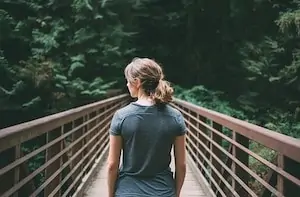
{"x":62,"y":154}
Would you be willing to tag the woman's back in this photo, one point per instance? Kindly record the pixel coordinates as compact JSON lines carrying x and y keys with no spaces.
{"x":146,"y":130}
{"x":148,"y":133}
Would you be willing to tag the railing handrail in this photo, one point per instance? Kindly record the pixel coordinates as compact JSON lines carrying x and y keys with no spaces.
{"x":44,"y":124}
{"x":284,"y":144}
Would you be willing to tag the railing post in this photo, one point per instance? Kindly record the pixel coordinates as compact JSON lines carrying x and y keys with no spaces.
{"x":7,"y":157}
{"x":243,"y":157}
{"x":233,"y":165}
{"x":291,"y":166}
{"x":198,"y":137}
{"x":61,"y":159}
{"x":83,"y":141}
{"x":52,"y":168}
{"x":194,"y":134}
{"x":203,"y":129}
{"x":280,"y":181}
{"x":188,"y":138}
{"x":99,"y":111}
{"x":73,"y":138}
{"x":88,"y":138}
{"x":92,"y":126}
{"x":75,"y":135}
{"x":216,"y":138}
{"x":17,"y":169}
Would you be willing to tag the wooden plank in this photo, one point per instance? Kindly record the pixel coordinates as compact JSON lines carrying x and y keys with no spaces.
{"x":98,"y":187}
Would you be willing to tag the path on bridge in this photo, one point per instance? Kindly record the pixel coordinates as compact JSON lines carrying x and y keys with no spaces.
{"x":98,"y":186}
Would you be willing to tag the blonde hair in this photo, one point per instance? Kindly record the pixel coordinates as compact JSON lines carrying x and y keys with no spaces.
{"x":152,"y":79}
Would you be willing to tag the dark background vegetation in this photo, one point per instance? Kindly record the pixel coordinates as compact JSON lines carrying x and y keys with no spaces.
{"x":239,"y":57}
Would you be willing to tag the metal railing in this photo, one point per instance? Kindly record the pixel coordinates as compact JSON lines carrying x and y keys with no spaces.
{"x":54,"y":155}
{"x":237,"y":158}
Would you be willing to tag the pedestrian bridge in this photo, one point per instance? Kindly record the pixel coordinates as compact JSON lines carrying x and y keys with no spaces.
{"x":63,"y":155}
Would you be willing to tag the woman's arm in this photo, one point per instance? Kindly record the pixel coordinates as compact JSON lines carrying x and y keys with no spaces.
{"x":180,"y":162}
{"x":113,"y":161}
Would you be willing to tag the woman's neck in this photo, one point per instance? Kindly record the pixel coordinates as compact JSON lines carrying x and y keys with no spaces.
{"x":145,"y":100}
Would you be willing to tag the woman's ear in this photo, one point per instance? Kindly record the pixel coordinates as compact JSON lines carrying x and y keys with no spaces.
{"x":137,"y":83}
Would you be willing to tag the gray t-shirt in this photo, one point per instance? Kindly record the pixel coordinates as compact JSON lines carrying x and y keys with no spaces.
{"x":148,"y":134}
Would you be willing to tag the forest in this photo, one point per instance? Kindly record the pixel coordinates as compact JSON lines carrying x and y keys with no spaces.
{"x":241,"y":58}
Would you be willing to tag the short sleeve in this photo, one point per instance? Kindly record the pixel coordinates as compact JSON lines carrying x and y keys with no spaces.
{"x":115,"y":125}
{"x":181,"y":125}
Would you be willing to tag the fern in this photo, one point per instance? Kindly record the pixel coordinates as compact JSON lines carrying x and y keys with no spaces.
{"x":82,"y":35}
{"x":288,"y":20}
{"x":6,"y":24}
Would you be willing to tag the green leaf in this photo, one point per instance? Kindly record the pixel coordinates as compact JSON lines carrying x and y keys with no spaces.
{"x":272,"y":79}
{"x":98,"y":16}
{"x":96,"y":83}
{"x":98,"y":92}
{"x":34,"y":101}
{"x":86,"y":92}
{"x":78,"y":58}
{"x":74,"y":66}
{"x":60,"y":77}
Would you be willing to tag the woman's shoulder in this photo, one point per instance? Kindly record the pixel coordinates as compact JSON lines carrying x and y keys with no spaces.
{"x":125,"y":110}
{"x":172,"y":110}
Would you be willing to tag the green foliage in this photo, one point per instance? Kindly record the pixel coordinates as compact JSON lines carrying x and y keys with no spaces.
{"x":6,"y":22}
{"x":72,"y":53}
{"x":289,"y":21}
{"x":201,"y":96}
{"x":273,"y":119}
{"x":56,"y":55}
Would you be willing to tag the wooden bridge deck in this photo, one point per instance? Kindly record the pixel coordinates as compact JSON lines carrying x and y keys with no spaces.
{"x":98,"y":186}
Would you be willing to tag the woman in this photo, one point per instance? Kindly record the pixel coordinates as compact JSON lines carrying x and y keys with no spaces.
{"x":146,"y":131}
